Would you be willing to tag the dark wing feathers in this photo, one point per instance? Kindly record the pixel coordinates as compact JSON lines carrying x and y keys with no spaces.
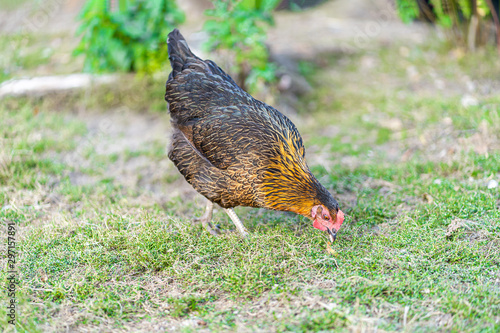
{"x":227,"y":133}
{"x":218,"y":71}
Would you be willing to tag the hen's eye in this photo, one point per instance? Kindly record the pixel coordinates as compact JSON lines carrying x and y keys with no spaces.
{"x":326,"y":217}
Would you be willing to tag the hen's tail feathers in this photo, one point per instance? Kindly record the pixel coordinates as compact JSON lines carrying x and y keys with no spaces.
{"x":178,"y":51}
{"x":181,"y":57}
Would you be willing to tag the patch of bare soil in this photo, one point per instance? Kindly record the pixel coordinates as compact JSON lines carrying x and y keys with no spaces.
{"x":473,"y":230}
{"x":340,"y":26}
{"x":136,"y":148}
{"x":50,"y":16}
{"x":444,"y":143}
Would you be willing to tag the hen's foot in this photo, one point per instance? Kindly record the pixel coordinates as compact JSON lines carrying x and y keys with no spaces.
{"x":215,"y":231}
{"x":237,"y":222}
{"x":207,"y":218}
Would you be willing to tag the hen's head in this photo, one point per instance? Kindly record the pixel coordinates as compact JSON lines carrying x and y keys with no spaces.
{"x":327,"y":219}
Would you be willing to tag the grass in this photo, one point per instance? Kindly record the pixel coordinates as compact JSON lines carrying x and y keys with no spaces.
{"x":28,"y":53}
{"x":12,"y":4}
{"x":406,"y":161}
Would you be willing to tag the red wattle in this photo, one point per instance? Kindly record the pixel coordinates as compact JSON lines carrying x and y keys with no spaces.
{"x":318,"y":225}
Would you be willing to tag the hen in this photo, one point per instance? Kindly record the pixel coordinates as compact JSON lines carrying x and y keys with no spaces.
{"x":236,"y":150}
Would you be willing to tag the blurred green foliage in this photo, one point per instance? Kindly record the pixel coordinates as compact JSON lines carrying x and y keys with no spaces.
{"x":240,"y":26}
{"x":461,"y":18}
{"x":407,"y":10}
{"x":130,"y":37}
{"x":446,"y":13}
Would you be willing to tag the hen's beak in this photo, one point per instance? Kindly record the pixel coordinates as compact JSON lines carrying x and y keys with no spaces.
{"x":332,"y":233}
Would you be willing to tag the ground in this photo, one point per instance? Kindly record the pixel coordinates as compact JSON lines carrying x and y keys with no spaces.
{"x":400,"y":126}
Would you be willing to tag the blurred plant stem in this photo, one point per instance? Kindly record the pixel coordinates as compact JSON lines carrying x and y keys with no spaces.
{"x":466,"y":22}
{"x":240,"y":27}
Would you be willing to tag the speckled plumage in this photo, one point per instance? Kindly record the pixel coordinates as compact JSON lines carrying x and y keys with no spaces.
{"x":232,"y":148}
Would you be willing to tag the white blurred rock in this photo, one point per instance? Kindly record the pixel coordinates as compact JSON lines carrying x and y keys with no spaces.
{"x":404,"y":51}
{"x":394,"y":124}
{"x":368,"y":62}
{"x":447,"y":121}
{"x":45,"y":84}
{"x":6,"y":207}
{"x":468,"y":101}
{"x":492,"y":184}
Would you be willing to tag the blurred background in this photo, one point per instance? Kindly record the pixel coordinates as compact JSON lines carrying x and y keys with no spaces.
{"x":326,"y":64}
{"x":363,"y":74}
{"x":398,"y":103}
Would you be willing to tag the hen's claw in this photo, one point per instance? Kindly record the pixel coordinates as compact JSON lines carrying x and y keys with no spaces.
{"x":207,"y":217}
{"x":212,"y":230}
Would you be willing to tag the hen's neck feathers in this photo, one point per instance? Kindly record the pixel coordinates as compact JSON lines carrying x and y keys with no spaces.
{"x":288,"y":185}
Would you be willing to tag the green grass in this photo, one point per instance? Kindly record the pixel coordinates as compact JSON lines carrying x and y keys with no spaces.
{"x":107,"y":255}
{"x":12,"y":4}
{"x":28,"y":53}
{"x":21,"y":53}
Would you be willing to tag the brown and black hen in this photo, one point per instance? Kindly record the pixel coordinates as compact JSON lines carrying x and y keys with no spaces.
{"x":236,"y":150}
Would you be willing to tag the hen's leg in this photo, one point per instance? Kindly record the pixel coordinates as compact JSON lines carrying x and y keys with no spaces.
{"x":207,"y":217}
{"x":236,"y":221}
